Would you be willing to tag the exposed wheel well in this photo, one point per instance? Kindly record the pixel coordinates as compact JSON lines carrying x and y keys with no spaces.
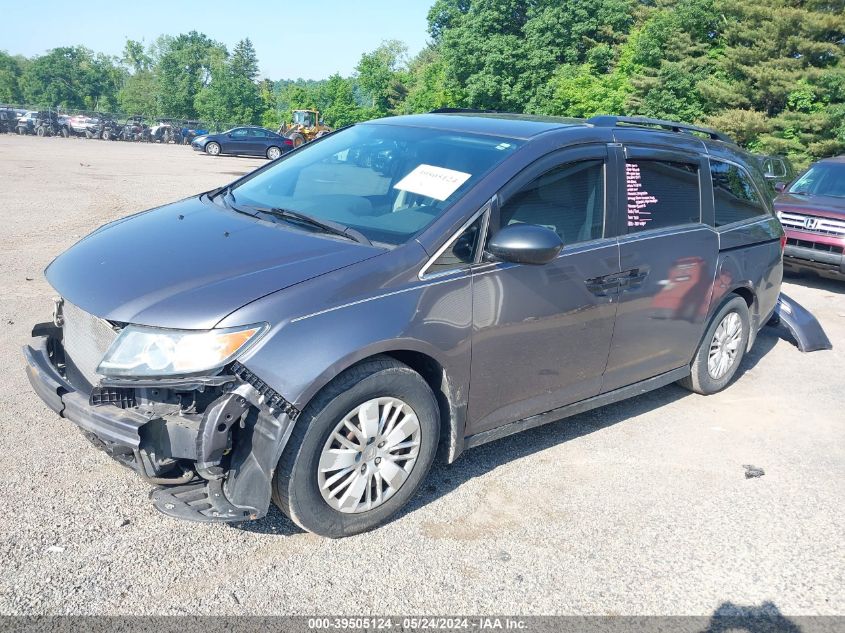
{"x":746,"y":294}
{"x":432,"y":372}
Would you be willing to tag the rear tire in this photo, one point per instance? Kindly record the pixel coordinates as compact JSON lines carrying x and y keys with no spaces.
{"x":389,"y":458}
{"x":298,"y":139}
{"x":273,"y":153}
{"x":722,"y":349}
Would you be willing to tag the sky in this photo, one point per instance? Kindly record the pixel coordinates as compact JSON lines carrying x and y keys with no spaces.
{"x":311,"y":39}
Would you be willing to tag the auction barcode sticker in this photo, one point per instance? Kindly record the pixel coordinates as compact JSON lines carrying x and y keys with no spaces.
{"x":433,"y":182}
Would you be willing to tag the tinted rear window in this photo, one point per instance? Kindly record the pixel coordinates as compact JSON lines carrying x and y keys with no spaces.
{"x":661,"y":194}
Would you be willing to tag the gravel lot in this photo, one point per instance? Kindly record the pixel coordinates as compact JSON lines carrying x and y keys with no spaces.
{"x":639,"y":508}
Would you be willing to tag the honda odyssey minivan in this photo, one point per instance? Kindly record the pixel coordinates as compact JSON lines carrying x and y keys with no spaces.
{"x":314,"y":332}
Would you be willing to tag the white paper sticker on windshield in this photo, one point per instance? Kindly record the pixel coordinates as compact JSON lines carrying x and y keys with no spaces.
{"x":433,"y":182}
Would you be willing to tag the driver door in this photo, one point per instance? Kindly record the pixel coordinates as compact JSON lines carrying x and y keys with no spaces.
{"x":541,"y":334}
{"x":235,"y":142}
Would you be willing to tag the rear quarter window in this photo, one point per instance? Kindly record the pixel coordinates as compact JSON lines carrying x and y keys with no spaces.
{"x":735,"y":197}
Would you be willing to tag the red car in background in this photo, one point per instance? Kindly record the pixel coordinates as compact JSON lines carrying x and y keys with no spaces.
{"x":812,"y":211}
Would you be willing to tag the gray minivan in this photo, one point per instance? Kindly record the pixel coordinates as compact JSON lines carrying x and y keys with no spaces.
{"x":315,"y":331}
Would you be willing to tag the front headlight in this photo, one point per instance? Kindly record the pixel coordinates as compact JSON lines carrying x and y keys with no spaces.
{"x":142,"y":351}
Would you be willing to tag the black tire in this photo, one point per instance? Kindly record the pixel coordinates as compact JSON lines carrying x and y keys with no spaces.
{"x":212,"y":149}
{"x":295,"y":486}
{"x":273,"y":153}
{"x":701,"y":380}
{"x":41,"y":131}
{"x":298,"y":139}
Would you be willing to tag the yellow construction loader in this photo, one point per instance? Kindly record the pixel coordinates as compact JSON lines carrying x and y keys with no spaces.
{"x":305,"y":127}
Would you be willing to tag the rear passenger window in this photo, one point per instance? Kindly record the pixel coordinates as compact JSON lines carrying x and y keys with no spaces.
{"x":734,"y":195}
{"x":661,"y":194}
{"x":569,"y":200}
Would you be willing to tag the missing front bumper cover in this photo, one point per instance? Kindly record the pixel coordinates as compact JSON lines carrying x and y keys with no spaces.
{"x":234,"y":440}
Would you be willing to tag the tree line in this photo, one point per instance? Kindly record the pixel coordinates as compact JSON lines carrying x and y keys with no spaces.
{"x":768,"y":72}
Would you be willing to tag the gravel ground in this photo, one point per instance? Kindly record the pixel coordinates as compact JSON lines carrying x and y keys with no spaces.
{"x":642,"y":507}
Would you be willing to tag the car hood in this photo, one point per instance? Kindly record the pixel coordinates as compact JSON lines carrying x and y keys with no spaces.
{"x":189,"y":264}
{"x":824,"y":206}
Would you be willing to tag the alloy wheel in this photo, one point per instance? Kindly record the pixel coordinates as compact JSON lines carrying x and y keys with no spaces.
{"x":369,"y":455}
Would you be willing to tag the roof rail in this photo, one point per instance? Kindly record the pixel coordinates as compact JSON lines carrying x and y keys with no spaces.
{"x":673,"y":126}
{"x":461,"y":110}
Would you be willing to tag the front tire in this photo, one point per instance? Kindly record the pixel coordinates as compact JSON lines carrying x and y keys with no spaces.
{"x":212,"y":149}
{"x":359,"y":451}
{"x":722,"y":349}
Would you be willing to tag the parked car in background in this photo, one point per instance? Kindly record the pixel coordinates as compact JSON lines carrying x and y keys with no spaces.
{"x":314,"y":331}
{"x":8,"y":120}
{"x":193,"y":129}
{"x":80,"y":124}
{"x":812,"y":210}
{"x":247,"y":141}
{"x":166,"y":131}
{"x":26,"y":122}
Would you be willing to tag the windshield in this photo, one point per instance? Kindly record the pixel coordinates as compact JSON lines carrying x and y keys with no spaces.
{"x":822,"y":179}
{"x":385,"y":181}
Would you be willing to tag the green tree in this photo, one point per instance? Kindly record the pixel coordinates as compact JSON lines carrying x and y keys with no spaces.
{"x":72,"y":77}
{"x":135,"y":57}
{"x":10,"y":73}
{"x":184,"y":68}
{"x":382,"y":75}
{"x":244,"y":62}
{"x":337,"y":102}
{"x":139,"y":94}
{"x":427,"y":86}
{"x":231,"y":95}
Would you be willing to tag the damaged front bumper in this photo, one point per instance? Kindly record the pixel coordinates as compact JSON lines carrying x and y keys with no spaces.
{"x":209,"y":443}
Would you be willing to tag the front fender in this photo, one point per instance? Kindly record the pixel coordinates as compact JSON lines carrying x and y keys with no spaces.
{"x":303,"y":354}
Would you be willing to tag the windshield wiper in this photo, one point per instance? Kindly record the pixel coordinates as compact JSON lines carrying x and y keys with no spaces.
{"x":326,"y":226}
{"x":222,"y":193}
{"x":801,"y":193}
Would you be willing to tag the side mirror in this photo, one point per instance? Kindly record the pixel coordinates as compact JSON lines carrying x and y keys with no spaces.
{"x":525,"y":244}
{"x":780,"y":187}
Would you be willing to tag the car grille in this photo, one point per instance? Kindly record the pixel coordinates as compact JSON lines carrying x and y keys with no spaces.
{"x":86,"y":340}
{"x":824,"y":248}
{"x":812,"y":224}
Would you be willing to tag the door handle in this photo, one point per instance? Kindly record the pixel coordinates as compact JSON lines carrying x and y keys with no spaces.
{"x":632,"y":279}
{"x":602,"y":286}
{"x":626,"y":280}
